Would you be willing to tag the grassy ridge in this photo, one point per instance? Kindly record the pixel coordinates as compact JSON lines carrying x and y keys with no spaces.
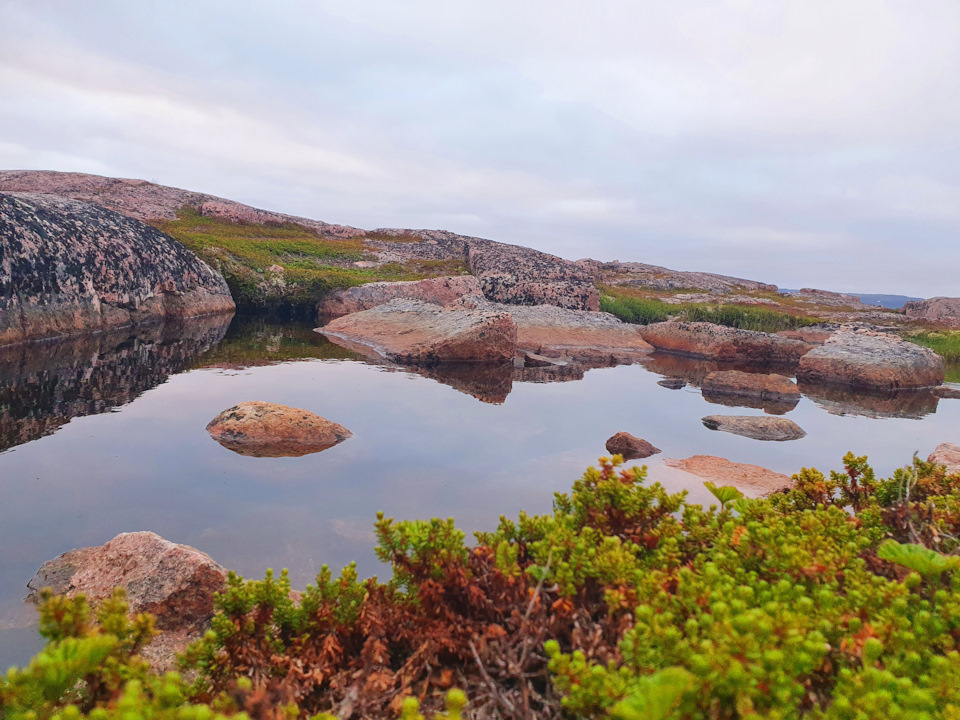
{"x":645,"y":310}
{"x":312,"y":266}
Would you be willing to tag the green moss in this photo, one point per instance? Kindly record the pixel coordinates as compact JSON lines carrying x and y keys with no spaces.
{"x":312,"y":266}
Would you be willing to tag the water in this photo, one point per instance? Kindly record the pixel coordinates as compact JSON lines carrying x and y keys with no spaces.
{"x":106,"y":435}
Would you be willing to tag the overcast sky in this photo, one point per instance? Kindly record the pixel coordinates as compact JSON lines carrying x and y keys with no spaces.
{"x":808,"y":143}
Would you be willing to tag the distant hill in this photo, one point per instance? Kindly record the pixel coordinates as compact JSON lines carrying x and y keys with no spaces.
{"x":894,"y":302}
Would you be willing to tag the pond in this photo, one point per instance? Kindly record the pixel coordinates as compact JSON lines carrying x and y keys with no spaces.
{"x":105,"y":434}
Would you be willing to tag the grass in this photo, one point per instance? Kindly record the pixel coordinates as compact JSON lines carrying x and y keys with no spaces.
{"x":944,"y":343}
{"x":312,"y":266}
{"x":633,"y":308}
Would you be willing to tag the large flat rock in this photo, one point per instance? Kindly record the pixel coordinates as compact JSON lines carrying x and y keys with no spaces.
{"x":725,"y":344}
{"x":67,"y":267}
{"x":871,"y":360}
{"x":417,"y":333}
{"x":947,"y":454}
{"x":751,"y":480}
{"x":756,"y":428}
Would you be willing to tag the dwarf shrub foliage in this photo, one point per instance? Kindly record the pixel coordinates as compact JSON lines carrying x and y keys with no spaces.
{"x":838,"y":599}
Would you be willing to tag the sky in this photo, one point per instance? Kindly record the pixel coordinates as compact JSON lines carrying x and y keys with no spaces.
{"x":809,"y":143}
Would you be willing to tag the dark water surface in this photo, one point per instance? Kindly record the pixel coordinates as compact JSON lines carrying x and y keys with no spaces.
{"x":104,"y":435}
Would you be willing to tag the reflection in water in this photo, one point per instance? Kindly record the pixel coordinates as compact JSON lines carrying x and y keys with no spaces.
{"x":846,"y":401}
{"x":43,"y":385}
{"x":771,"y":406}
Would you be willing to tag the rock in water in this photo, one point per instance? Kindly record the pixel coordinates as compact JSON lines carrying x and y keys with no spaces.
{"x":262,"y":429}
{"x":717,"y":342}
{"x":758,"y":428}
{"x":871,"y":360}
{"x":175,"y":583}
{"x":752,"y":480}
{"x":68,"y":267}
{"x":439,"y":291}
{"x":947,"y":392}
{"x":418,"y":333}
{"x":947,"y":454}
{"x":774,"y":393}
{"x":630,"y":447}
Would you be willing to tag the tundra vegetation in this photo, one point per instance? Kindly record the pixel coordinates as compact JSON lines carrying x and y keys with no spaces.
{"x":946,"y":343}
{"x":311,"y":265}
{"x":838,"y":599}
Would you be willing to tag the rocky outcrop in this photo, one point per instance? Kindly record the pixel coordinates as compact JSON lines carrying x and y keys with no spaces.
{"x":262,"y":429}
{"x":654,"y":277}
{"x":517,"y":275}
{"x":67,"y":267}
{"x":174,"y":583}
{"x":416,"y":333}
{"x":756,"y":428}
{"x":871,"y":360}
{"x":751,"y":480}
{"x":148,"y":201}
{"x":439,"y":291}
{"x":775,"y":393}
{"x":725,"y":344}
{"x":45,"y":385}
{"x":947,"y":454}
{"x":814,"y":296}
{"x":939,"y":310}
{"x":630,"y":446}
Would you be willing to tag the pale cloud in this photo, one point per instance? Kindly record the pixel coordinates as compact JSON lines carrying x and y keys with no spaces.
{"x":785,"y":141}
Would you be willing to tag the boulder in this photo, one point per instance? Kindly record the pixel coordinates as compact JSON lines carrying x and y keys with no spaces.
{"x":758,"y":428}
{"x":417,"y":333}
{"x":262,"y":429}
{"x":725,"y":344}
{"x":774,"y":393}
{"x":945,"y":391}
{"x":67,"y":267}
{"x":947,"y":454}
{"x":630,"y":447}
{"x":175,"y":583}
{"x":871,"y":360}
{"x":751,"y":480}
{"x":940,"y":310}
{"x":439,"y":291}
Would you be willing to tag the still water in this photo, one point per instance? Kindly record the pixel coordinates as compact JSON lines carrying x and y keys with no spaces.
{"x":105,"y":435}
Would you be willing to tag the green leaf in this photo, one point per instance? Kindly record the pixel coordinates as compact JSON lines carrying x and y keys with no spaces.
{"x":655,"y":696}
{"x":925,"y":561}
{"x":724,"y":494}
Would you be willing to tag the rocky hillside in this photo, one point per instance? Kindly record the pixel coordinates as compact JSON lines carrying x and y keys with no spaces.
{"x":69,"y":267}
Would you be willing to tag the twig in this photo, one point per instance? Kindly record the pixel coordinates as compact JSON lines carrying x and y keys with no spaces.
{"x":507,"y":705}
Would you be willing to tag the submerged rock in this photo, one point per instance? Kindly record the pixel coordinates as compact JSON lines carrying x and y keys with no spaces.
{"x":873,"y":360}
{"x":417,"y":333}
{"x":752,"y":480}
{"x":67,"y":267}
{"x":439,"y":291}
{"x":757,"y":428}
{"x":175,"y":583}
{"x":262,"y":429}
{"x":726,"y":344}
{"x":947,"y":454}
{"x":630,"y":447}
{"x":774,"y":393}
{"x":672,"y":383}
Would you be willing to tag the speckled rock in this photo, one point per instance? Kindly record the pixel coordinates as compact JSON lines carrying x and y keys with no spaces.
{"x":871,"y":360}
{"x":940,"y":310}
{"x":262,"y":429}
{"x":635,"y":274}
{"x":439,"y":291}
{"x":417,"y":333}
{"x":174,"y":583}
{"x":751,"y":480}
{"x":68,"y":267}
{"x":630,"y":446}
{"x":946,"y":454}
{"x":717,"y":342}
{"x":756,"y":428}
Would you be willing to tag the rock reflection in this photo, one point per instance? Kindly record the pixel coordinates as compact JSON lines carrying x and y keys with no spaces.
{"x":913,"y":404}
{"x":43,"y":385}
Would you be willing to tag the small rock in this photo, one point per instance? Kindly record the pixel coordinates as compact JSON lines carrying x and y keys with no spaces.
{"x":630,"y":447}
{"x":174,"y":583}
{"x":871,"y":360}
{"x":261,"y":429}
{"x":758,"y":428}
{"x":947,"y":454}
{"x":947,"y":392}
{"x":774,"y":393}
{"x":752,"y":480}
{"x":672,"y":383}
